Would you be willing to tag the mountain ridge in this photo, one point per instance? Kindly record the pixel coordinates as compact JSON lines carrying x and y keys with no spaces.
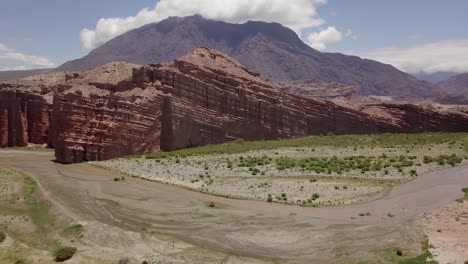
{"x":271,"y":49}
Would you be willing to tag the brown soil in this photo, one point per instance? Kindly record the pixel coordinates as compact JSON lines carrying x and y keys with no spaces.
{"x":252,"y":230}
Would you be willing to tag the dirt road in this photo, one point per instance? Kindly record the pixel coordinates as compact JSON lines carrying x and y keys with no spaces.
{"x":247,"y":228}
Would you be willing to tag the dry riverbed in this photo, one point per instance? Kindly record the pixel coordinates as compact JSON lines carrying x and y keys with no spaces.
{"x":308,"y":176}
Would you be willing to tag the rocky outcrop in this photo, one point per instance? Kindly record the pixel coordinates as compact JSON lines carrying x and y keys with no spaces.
{"x":205,"y":97}
{"x":24,"y":117}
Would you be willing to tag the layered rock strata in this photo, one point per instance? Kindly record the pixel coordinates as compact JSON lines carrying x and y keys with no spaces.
{"x":202,"y":98}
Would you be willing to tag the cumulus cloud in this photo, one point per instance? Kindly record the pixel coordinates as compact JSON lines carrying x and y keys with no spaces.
{"x":451,"y":56}
{"x":10,"y":56}
{"x":295,"y":14}
{"x":320,"y":40}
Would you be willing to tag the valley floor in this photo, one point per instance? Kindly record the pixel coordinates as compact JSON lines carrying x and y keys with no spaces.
{"x":148,"y":221}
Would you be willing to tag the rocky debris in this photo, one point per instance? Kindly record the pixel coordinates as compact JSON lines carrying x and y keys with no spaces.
{"x":205,"y":97}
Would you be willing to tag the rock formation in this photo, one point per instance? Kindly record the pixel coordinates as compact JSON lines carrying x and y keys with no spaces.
{"x":205,"y":97}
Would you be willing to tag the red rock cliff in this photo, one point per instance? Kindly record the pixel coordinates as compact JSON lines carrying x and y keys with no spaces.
{"x":203,"y":98}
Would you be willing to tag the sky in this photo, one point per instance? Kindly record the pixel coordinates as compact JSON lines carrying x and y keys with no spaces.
{"x":415,"y":36}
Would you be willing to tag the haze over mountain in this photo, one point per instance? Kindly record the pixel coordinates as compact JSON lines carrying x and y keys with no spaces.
{"x":13,"y":75}
{"x":435,"y":77}
{"x":454,"y":90}
{"x":268,"y":48}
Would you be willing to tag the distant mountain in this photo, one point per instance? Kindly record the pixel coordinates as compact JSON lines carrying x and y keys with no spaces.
{"x":276,"y":52}
{"x":13,"y":75}
{"x":435,"y":77}
{"x":454,"y":90}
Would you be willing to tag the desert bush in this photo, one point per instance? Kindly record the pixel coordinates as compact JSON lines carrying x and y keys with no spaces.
{"x":2,"y":236}
{"x":315,"y":196}
{"x":211,"y":204}
{"x":64,"y":253}
{"x":399,"y":253}
{"x":270,"y":198}
{"x":465,"y":190}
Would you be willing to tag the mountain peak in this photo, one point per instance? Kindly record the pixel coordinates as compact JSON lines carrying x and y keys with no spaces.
{"x":215,"y":60}
{"x":275,"y":51}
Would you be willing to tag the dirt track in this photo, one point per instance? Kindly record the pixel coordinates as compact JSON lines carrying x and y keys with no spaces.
{"x":246,"y":228}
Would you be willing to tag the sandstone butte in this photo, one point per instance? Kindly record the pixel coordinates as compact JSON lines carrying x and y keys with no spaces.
{"x":205,"y":97}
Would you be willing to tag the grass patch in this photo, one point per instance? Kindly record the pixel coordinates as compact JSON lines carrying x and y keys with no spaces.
{"x":425,"y":258}
{"x":359,"y":141}
{"x":74,"y":230}
{"x":62,"y":254}
{"x":36,"y":209}
{"x":34,"y":148}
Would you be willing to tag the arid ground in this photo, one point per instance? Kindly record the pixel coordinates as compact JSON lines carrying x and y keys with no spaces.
{"x":110,"y":220}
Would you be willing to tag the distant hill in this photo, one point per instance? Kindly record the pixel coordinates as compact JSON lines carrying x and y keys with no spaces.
{"x":268,"y":48}
{"x":13,"y":75}
{"x":454,"y":90}
{"x":435,"y":77}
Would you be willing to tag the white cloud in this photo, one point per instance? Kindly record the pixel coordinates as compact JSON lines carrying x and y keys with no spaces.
{"x":320,"y":40}
{"x":295,"y":14}
{"x":350,"y":34}
{"x":451,"y":55}
{"x":10,"y":56}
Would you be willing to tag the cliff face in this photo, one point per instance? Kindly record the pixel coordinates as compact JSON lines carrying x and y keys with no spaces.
{"x":202,"y":98}
{"x":24,"y":117}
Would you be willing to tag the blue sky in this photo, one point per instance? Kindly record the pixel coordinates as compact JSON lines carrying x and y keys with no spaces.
{"x":416,"y":35}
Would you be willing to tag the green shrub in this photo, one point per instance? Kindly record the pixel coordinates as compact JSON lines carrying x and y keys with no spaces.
{"x":64,"y":253}
{"x":399,"y":253}
{"x":211,"y":204}
{"x":315,"y":196}
{"x":465,"y":190}
{"x":2,"y":236}
{"x":74,"y":230}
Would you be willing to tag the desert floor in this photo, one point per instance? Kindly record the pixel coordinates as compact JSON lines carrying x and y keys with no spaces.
{"x":143,"y":220}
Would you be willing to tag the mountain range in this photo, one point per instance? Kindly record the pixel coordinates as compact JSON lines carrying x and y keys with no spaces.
{"x":274,"y":51}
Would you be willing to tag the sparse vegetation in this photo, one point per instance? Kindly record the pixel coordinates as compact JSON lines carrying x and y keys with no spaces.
{"x":301,"y":166}
{"x":64,"y":253}
{"x":74,"y":230}
{"x":425,"y":258}
{"x":211,"y":204}
{"x":384,"y":140}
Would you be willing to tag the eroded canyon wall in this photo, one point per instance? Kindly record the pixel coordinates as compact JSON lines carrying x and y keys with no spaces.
{"x":203,"y":98}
